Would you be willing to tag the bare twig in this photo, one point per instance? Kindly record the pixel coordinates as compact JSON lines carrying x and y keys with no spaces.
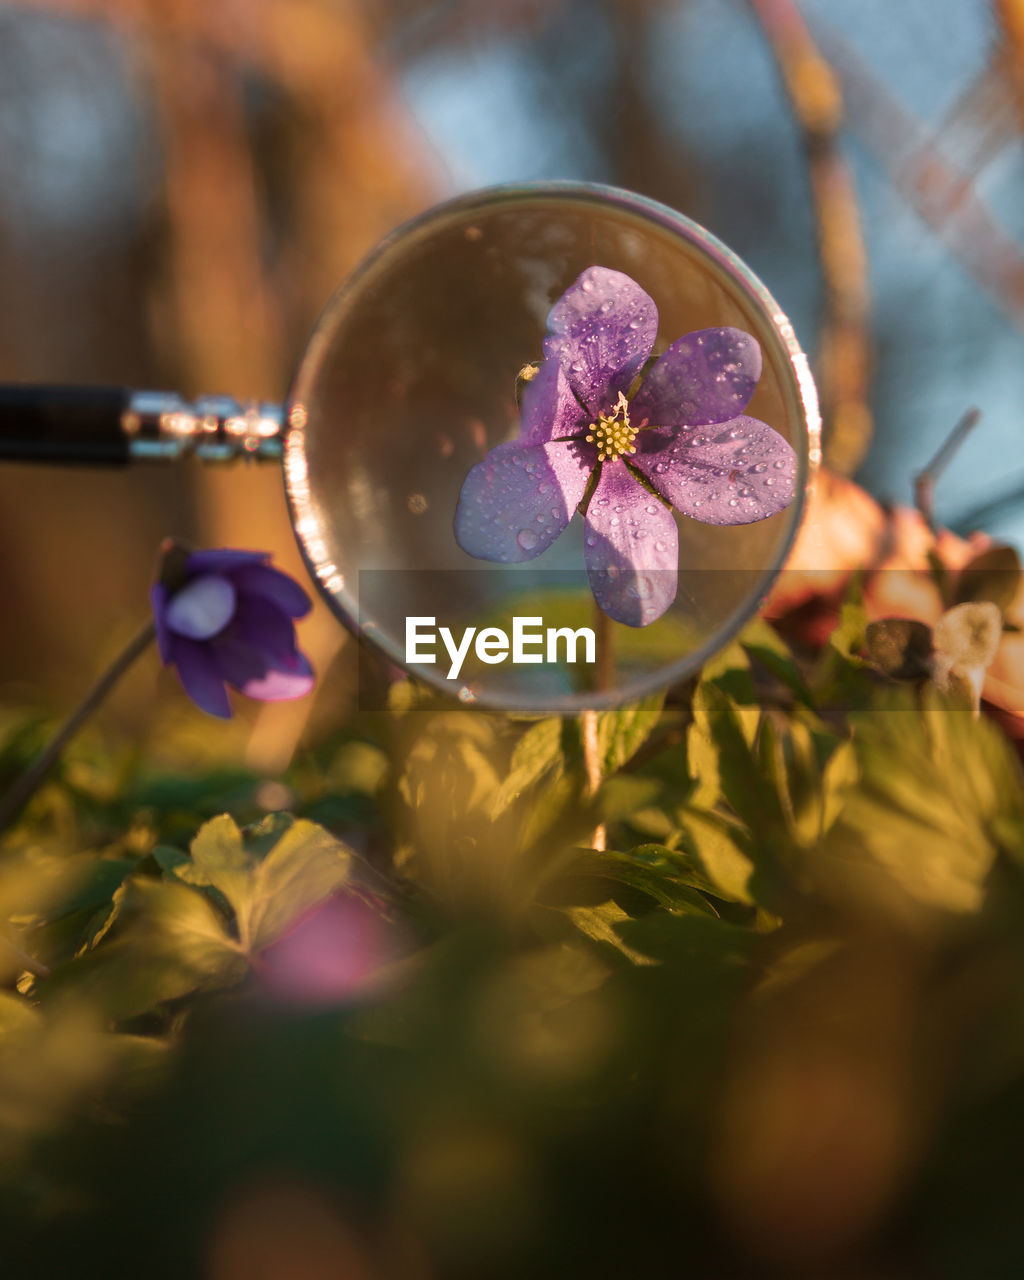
{"x":926,"y":480}
{"x":845,"y":358}
{"x":939,"y":192}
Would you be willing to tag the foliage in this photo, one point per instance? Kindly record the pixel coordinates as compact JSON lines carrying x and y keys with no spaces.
{"x":420,"y":1025}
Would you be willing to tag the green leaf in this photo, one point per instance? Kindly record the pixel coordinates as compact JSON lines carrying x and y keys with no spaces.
{"x":539,"y":748}
{"x":936,"y":787}
{"x":623,"y":731}
{"x":599,"y":925}
{"x":668,"y":878}
{"x":170,"y":943}
{"x":304,"y":868}
{"x":719,"y":849}
{"x":270,"y":877}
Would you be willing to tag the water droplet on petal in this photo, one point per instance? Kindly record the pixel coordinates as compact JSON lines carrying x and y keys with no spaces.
{"x":761,"y":467}
{"x":527,"y":539}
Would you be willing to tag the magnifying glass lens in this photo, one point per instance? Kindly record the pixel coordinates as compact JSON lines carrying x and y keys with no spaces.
{"x":410,"y":381}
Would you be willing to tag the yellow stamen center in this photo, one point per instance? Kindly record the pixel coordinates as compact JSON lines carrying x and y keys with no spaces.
{"x":612,"y":433}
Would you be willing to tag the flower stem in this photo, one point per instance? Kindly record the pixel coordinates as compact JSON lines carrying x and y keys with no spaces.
{"x":588,"y":720}
{"x":594,"y":772}
{"x":26,"y":786}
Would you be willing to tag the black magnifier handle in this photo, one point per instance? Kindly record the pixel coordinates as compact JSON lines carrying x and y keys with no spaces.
{"x":110,"y":426}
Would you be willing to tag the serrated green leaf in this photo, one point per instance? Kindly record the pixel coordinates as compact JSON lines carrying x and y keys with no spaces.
{"x":539,"y":748}
{"x":623,"y":731}
{"x":599,"y":925}
{"x":661,"y":875}
{"x":718,"y":848}
{"x":935,"y":787}
{"x":304,"y":868}
{"x":220,"y":858}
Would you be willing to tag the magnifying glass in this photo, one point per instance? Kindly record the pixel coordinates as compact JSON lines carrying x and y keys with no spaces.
{"x":410,"y":381}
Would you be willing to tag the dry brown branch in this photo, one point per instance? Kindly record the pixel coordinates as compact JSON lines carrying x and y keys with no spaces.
{"x":845,"y":359}
{"x":940,"y":193}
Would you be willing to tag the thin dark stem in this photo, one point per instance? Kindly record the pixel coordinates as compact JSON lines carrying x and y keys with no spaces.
{"x":27,"y":785}
{"x":926,"y":480}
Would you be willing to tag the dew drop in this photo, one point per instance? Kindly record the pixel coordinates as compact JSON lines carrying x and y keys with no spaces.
{"x":760,"y":467}
{"x":527,"y":539}
{"x":770,"y":480}
{"x":591,"y":541}
{"x":659,"y":546}
{"x":733,"y":502}
{"x":614,"y":520}
{"x":543,"y":487}
{"x":778,"y":465}
{"x":587,"y":284}
{"x":661,"y":468}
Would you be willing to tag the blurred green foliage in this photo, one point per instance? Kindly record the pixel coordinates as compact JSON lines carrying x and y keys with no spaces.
{"x":418,"y":1027}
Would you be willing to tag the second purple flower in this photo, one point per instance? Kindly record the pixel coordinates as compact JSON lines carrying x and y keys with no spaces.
{"x":625,"y":454}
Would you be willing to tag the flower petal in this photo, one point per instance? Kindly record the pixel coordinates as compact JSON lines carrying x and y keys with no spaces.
{"x":276,"y":586}
{"x":203,"y":606}
{"x":601,"y":330}
{"x":549,"y":408}
{"x":260,"y":623}
{"x":222,"y":560}
{"x":631,"y":549}
{"x":200,"y":677}
{"x":732,"y":473}
{"x":158,"y":594}
{"x":283,"y":681}
{"x":516,"y":502}
{"x":707,"y":376}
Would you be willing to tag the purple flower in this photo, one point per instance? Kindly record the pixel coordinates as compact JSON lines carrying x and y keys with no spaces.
{"x":226,"y":616}
{"x":589,"y":436}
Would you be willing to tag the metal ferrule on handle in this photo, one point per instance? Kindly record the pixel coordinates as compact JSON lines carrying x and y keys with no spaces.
{"x":113,"y":426}
{"x":161,"y":425}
